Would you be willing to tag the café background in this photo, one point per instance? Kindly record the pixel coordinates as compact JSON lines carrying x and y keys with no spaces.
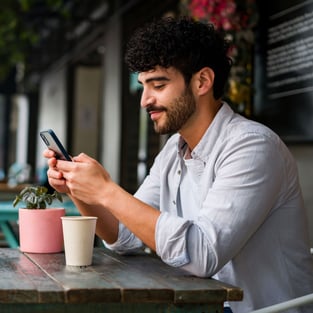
{"x":88,"y":97}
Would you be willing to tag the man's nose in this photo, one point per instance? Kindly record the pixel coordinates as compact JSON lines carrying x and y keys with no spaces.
{"x":147,"y":99}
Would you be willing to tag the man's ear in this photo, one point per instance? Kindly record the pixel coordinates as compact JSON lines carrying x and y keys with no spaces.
{"x":205,"y":80}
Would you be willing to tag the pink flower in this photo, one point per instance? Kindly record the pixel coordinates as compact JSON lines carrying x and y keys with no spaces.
{"x":223,"y":13}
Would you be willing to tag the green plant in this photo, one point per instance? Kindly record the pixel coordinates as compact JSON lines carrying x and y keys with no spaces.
{"x":22,"y":28}
{"x":36,"y":197}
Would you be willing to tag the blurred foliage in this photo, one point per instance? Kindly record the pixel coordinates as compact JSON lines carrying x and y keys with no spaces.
{"x":19,"y":31}
{"x":237,"y":19}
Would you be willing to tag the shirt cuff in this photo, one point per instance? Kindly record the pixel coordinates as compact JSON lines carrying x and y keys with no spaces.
{"x":126,"y":242}
{"x":171,"y":239}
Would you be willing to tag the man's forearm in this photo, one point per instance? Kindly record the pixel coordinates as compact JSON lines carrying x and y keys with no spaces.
{"x":107,"y":224}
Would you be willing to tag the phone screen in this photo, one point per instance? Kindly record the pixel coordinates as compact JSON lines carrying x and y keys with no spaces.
{"x":52,"y":142}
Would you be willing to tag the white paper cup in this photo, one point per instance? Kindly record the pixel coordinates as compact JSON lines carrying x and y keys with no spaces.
{"x":79,"y":235}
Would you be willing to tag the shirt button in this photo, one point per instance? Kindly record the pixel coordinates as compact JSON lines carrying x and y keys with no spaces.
{"x":179,"y":172}
{"x":174,"y":202}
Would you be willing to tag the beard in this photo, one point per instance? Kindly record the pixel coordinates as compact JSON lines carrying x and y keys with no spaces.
{"x":177,"y":113}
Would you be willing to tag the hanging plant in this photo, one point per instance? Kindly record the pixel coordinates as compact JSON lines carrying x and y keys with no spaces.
{"x":19,"y":31}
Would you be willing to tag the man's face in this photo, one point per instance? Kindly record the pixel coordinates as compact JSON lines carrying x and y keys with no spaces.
{"x":167,"y":99}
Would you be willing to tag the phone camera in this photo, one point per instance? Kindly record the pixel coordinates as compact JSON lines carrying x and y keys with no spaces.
{"x":45,"y":139}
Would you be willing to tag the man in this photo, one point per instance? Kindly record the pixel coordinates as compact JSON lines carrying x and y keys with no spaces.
{"x":222,"y":197}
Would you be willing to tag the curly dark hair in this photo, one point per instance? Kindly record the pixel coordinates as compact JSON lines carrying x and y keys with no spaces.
{"x":183,"y":43}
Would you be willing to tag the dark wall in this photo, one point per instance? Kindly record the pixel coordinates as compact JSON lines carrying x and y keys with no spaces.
{"x":284,"y":69}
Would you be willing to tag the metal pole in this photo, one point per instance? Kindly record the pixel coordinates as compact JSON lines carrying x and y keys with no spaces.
{"x":280,"y":307}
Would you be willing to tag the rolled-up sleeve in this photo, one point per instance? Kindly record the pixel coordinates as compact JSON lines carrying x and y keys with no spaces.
{"x":171,"y":239}
{"x":126,"y":243}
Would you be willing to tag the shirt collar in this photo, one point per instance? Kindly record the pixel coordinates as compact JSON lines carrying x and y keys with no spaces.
{"x":214,"y":131}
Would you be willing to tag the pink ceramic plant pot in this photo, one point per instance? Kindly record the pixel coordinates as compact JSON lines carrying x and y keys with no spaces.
{"x":40,"y":231}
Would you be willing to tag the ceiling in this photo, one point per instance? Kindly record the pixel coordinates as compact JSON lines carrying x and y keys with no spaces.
{"x":69,"y":31}
{"x":69,"y":35}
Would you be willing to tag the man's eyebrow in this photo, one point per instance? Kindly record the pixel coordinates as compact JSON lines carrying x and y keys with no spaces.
{"x":157,"y":78}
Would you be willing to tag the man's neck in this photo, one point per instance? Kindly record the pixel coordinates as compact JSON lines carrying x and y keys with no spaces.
{"x":195,"y":128}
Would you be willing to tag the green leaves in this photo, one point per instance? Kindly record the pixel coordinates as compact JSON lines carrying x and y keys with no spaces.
{"x":36,"y":197}
{"x":19,"y":30}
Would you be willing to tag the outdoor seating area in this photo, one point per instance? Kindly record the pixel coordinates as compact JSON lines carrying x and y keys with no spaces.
{"x":156,"y":156}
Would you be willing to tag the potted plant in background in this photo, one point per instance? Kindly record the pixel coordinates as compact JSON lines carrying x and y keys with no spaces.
{"x":40,"y":227}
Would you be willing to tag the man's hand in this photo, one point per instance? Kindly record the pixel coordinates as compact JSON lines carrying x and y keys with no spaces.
{"x":86,"y":179}
{"x":55,"y":177}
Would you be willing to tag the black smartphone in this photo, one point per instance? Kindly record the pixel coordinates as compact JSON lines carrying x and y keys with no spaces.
{"x":53,"y":143}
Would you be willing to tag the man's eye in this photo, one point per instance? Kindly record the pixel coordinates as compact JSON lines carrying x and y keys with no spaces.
{"x":159,"y":86}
